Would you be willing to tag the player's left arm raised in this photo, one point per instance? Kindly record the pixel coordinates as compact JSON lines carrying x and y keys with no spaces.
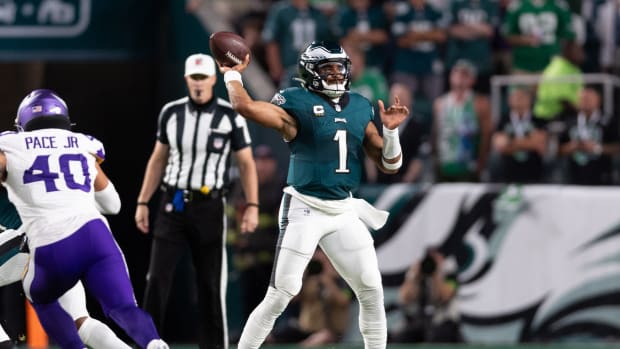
{"x":385,"y":151}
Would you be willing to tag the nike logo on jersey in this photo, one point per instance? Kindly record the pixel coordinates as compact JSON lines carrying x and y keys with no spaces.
{"x":340,"y":120}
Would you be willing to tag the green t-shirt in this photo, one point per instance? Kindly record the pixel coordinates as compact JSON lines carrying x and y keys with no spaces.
{"x":550,"y":21}
{"x":458,"y":137}
{"x":477,"y":50}
{"x":372,"y":85}
{"x":372,"y":19}
{"x":293,"y":30}
{"x":549,"y":95}
{"x":327,"y":154}
{"x":419,"y":58}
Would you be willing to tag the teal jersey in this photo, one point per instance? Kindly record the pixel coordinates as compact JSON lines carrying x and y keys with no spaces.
{"x":327,"y":154}
{"x":293,"y":29}
{"x":550,"y":22}
{"x":478,"y":50}
{"x":420,"y":57}
{"x":9,"y":218}
{"x":372,"y":19}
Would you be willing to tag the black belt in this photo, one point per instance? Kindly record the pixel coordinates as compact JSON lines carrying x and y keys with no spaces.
{"x":193,"y":195}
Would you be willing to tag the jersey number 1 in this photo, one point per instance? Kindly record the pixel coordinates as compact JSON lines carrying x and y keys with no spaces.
{"x":341,"y":138}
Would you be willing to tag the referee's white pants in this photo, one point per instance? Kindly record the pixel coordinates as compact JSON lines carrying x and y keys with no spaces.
{"x":349,"y":246}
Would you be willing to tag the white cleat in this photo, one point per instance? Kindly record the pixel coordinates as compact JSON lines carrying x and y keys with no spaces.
{"x":157,"y":344}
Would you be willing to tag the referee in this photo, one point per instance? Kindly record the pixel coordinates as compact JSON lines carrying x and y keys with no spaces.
{"x":190,"y":165}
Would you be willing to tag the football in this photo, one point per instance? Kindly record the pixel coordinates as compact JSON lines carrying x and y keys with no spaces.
{"x":228,"y":48}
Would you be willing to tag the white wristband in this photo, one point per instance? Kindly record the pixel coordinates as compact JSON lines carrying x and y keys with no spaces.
{"x":232,"y":75}
{"x":391,"y":143}
{"x":394,"y":166}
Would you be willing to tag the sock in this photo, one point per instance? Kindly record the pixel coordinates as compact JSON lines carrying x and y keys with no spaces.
{"x":96,"y":334}
{"x":3,"y":336}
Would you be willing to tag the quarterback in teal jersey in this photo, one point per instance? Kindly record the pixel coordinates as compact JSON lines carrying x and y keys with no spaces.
{"x":328,"y":129}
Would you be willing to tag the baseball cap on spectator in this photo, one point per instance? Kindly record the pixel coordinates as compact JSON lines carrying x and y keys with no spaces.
{"x":466,"y":65}
{"x":199,"y":64}
{"x":263,"y":152}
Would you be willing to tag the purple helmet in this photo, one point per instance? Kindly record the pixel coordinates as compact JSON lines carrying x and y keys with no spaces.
{"x":44,"y":106}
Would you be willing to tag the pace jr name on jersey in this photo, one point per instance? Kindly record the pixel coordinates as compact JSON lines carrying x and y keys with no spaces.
{"x":51,"y":142}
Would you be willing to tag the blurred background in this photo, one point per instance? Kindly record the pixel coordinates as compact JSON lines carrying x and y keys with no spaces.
{"x":529,"y":250}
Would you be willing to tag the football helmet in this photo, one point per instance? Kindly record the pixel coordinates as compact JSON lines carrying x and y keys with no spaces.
{"x":315,"y":57}
{"x":42,"y":108}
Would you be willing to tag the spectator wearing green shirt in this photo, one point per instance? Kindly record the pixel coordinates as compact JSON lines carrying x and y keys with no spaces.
{"x":534,"y":29}
{"x":367,"y":81}
{"x":365,"y":26}
{"x":472,"y":27}
{"x":417,"y":32}
{"x":554,"y":98}
{"x":462,"y":128}
{"x":290,"y":26}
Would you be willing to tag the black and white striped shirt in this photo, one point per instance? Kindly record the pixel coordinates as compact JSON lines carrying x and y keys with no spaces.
{"x":201,"y":139}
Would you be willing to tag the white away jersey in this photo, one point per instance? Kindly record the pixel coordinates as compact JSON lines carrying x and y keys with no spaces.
{"x":50,"y":180}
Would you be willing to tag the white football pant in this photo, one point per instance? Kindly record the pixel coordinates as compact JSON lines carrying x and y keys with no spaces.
{"x":349,"y":246}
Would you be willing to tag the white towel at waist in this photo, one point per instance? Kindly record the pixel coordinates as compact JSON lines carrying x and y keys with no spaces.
{"x":371,"y":216}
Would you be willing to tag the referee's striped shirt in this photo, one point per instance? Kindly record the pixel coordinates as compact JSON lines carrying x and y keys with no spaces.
{"x":201,"y":139}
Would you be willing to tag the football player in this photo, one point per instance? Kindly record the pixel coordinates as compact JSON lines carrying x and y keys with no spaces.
{"x":54,"y":179}
{"x":13,"y":261}
{"x":327,"y":129}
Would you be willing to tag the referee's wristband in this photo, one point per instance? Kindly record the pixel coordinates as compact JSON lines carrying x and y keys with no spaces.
{"x":232,"y":75}
{"x":142,"y":203}
{"x":252,"y":204}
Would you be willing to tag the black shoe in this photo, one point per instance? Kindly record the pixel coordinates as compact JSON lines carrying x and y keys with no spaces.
{"x":7,"y":345}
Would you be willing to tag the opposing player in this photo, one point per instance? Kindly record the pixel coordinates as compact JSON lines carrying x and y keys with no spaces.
{"x":51,"y":175}
{"x":327,"y":128}
{"x":14,"y":258}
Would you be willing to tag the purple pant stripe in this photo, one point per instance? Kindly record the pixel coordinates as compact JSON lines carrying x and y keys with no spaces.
{"x":90,"y":254}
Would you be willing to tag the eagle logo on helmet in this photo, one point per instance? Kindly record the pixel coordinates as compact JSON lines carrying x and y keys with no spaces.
{"x":317,"y":54}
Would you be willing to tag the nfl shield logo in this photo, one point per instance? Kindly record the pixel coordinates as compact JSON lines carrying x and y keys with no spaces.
{"x":278,"y":99}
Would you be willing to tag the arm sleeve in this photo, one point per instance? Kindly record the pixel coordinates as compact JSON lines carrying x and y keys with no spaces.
{"x":107,"y":200}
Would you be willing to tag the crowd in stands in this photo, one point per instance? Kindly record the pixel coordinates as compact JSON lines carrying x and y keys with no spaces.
{"x":439,"y":56}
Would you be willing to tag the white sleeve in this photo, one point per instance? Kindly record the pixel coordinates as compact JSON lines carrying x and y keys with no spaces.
{"x":107,"y":200}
